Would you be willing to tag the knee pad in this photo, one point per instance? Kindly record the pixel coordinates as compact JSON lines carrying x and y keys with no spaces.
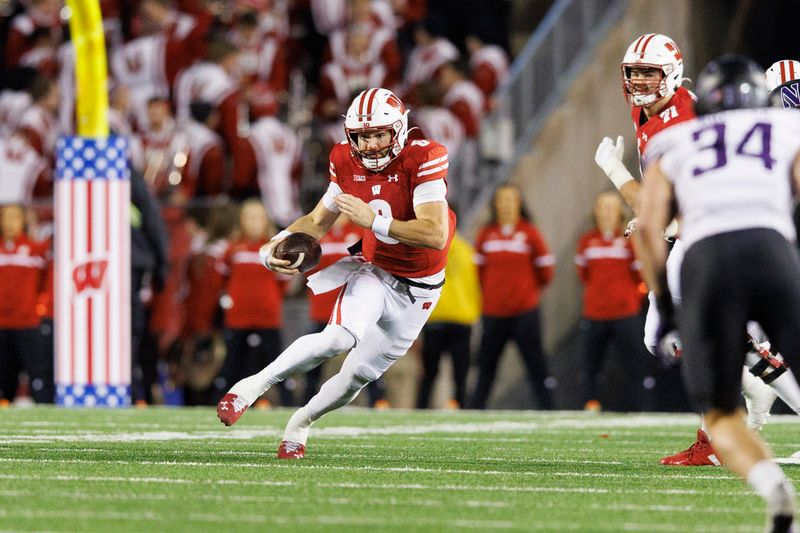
{"x":365,"y":373}
{"x":397,"y":347}
{"x":338,"y":338}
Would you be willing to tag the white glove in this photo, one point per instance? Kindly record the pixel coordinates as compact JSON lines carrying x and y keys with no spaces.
{"x":609,"y":158}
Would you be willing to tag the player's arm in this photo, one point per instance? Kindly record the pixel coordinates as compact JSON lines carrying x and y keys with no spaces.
{"x":316,"y":223}
{"x":656,"y":212}
{"x":609,"y":158}
{"x":429,"y":229}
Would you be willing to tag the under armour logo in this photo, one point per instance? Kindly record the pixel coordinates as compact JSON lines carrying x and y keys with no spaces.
{"x":392,"y":177}
{"x":223,"y":406}
{"x":426,"y":305}
{"x":376,"y":190}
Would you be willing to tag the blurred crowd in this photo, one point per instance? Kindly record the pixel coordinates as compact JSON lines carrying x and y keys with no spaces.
{"x":230,"y":108}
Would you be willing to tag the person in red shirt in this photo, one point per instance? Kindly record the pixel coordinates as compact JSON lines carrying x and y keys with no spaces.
{"x":253,"y":302}
{"x":488,"y":65}
{"x":515,"y":265}
{"x":608,"y":269}
{"x":23,"y":264}
{"x":39,"y":15}
{"x":204,"y":284}
{"x":396,"y":190}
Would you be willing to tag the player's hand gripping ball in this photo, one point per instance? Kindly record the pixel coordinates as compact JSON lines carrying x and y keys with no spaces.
{"x":301,"y":250}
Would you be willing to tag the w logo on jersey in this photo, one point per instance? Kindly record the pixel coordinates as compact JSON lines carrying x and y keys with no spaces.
{"x":427,"y":305}
{"x":89,"y":276}
{"x":376,"y":190}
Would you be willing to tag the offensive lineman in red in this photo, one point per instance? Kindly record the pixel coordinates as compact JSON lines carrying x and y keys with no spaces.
{"x":396,"y":191}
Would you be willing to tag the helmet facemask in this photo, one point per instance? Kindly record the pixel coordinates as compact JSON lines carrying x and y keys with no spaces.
{"x":654,"y":89}
{"x":376,"y":159}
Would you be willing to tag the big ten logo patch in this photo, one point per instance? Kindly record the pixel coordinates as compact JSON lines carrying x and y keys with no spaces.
{"x":426,"y":305}
{"x":90,"y":276}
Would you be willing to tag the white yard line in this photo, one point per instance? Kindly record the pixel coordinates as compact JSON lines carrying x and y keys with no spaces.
{"x":497,"y":427}
{"x":723,"y":476}
{"x":372,"y":486}
{"x":327,"y":520}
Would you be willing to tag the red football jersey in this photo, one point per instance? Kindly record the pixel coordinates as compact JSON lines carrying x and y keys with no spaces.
{"x":609,"y":271}
{"x":514,"y":265}
{"x":390,"y":192}
{"x":23,"y":264}
{"x":255,"y":292}
{"x":679,"y":109}
{"x":334,"y":247}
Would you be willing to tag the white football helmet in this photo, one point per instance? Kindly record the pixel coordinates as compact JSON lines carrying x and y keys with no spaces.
{"x":376,"y":110}
{"x":652,"y":50}
{"x":782,"y":72}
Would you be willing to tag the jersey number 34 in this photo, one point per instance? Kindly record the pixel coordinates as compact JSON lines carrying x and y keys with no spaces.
{"x":755,"y":143}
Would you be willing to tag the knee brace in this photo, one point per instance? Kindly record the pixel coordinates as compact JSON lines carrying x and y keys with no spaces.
{"x":764,"y":364}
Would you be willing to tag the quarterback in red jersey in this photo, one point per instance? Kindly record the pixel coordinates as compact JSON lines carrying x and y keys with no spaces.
{"x":396,"y":191}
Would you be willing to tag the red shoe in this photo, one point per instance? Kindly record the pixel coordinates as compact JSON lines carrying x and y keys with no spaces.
{"x":291,"y":450}
{"x":701,"y":453}
{"x":230,"y":409}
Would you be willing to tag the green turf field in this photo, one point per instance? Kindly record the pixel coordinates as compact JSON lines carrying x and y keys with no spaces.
{"x":180,"y":470}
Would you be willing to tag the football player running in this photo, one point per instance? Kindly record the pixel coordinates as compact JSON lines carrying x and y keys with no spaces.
{"x":652,"y":73}
{"x":730,"y":175}
{"x":397,"y":191}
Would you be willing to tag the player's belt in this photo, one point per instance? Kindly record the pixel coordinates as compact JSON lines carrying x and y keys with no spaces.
{"x":417,"y":284}
{"x":404,"y":285}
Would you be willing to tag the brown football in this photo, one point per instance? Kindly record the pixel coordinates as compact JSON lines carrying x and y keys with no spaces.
{"x":302,"y":250}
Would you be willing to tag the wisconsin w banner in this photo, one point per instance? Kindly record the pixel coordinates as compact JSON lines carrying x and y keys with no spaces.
{"x":92,"y":277}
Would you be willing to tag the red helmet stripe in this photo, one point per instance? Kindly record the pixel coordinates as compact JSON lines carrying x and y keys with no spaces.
{"x":371,"y":101}
{"x":644,"y":45}
{"x":361,"y":105}
{"x":791,"y":69}
{"x":638,"y":42}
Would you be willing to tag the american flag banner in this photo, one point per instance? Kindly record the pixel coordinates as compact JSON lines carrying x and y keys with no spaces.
{"x":92,"y":272}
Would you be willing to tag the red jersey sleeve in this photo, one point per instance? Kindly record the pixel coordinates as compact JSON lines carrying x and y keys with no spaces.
{"x":580,"y":260}
{"x":433,"y":161}
{"x":332,"y":166}
{"x":480,"y":259}
{"x":543,"y":260}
